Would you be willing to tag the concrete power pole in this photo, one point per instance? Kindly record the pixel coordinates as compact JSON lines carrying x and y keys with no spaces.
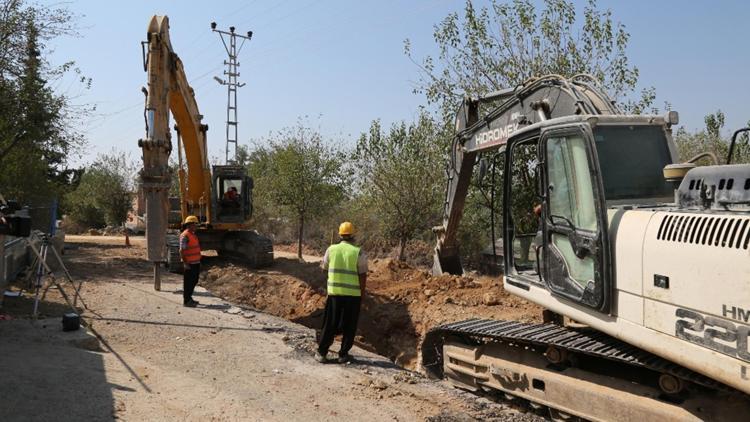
{"x":230,"y":45}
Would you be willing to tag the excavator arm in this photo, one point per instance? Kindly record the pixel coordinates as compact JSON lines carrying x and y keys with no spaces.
{"x":536,"y":100}
{"x":168,"y":90}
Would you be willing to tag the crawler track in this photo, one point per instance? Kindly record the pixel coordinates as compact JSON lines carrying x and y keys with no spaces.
{"x":574,"y":372}
{"x":249,"y":247}
{"x":583,"y":341}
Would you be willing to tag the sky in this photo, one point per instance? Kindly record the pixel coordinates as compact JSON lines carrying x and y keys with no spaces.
{"x":340,"y":64}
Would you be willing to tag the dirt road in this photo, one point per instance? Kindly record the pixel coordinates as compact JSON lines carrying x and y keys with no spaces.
{"x":161,"y":361}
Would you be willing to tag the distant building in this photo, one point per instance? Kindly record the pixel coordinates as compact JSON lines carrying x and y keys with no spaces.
{"x":136,"y":220}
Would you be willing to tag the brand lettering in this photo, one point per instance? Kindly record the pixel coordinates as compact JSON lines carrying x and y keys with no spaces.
{"x":714,"y":333}
{"x":495,"y":135}
{"x":735,"y":313}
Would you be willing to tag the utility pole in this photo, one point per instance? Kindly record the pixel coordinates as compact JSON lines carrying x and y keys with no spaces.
{"x":231,"y":82}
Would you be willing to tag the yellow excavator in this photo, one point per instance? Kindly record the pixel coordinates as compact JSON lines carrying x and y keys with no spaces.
{"x":221,"y":197}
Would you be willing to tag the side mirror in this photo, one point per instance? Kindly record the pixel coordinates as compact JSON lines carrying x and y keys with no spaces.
{"x":672,"y":118}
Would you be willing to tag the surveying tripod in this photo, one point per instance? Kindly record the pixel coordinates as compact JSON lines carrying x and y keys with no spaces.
{"x":42,"y":269}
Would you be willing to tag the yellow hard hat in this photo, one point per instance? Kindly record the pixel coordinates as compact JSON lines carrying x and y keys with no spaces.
{"x":346,"y":229}
{"x":191,"y":219}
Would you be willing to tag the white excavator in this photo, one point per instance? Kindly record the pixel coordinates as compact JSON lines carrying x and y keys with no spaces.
{"x":641,"y":263}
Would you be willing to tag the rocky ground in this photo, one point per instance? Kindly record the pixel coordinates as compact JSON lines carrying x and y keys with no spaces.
{"x":145,"y":357}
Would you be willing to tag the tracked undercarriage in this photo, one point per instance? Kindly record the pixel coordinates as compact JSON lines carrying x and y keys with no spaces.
{"x":248,"y":247}
{"x":575,"y":373}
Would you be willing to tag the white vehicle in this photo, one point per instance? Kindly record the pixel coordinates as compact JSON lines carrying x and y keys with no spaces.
{"x":642,"y":264}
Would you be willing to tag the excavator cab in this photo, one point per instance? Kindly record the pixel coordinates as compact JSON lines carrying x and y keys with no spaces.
{"x":574,"y":171}
{"x":232,"y":200}
{"x":575,"y":242}
{"x":563,"y":248}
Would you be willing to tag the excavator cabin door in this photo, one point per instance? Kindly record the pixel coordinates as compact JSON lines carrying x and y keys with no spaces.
{"x":574,"y":258}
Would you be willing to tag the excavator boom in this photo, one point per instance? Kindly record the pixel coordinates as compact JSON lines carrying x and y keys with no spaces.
{"x":535,"y":101}
{"x":157,"y":144}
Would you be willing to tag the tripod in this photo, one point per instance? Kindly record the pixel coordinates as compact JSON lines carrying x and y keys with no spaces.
{"x":42,"y":266}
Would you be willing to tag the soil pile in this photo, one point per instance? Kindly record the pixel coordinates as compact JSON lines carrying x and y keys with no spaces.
{"x":289,"y":289}
{"x":402,"y":302}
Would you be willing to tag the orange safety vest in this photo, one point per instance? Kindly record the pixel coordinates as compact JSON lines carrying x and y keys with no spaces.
{"x":191,"y":254}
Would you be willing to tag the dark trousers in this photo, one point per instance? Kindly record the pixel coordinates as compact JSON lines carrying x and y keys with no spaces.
{"x":341,"y":314}
{"x":189,"y":281}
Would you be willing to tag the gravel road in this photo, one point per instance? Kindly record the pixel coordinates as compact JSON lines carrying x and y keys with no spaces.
{"x":156,"y":360}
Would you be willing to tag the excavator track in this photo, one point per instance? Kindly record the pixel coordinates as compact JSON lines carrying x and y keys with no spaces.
{"x":584,"y":341}
{"x":249,"y":247}
{"x":486,"y":355}
{"x":174,"y":261}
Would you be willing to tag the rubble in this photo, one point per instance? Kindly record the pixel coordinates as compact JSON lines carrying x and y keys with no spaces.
{"x":490,"y":299}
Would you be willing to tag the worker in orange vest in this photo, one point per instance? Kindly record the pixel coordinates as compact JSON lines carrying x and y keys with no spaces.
{"x":190,"y":251}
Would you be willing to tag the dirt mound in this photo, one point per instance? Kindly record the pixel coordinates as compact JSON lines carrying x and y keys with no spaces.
{"x":289,"y":294}
{"x":402,"y":303}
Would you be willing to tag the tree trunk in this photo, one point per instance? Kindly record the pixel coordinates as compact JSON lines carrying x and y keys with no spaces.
{"x":402,"y":248}
{"x":299,"y":236}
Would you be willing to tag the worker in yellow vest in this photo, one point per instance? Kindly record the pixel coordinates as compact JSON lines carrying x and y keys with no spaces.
{"x":190,"y":251}
{"x":347,"y":275}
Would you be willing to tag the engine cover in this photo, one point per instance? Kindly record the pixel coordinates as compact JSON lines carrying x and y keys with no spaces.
{"x":716,"y":187}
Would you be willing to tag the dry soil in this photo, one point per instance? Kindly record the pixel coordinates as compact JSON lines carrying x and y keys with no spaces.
{"x":145,"y":357}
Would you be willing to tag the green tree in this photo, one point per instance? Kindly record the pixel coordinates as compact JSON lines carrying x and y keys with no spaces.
{"x":82,"y":204}
{"x":243,"y":155}
{"x":505,"y":44}
{"x":299,"y":176}
{"x":37,"y":125}
{"x":402,"y":181}
{"x":104,"y":195}
{"x":710,"y":139}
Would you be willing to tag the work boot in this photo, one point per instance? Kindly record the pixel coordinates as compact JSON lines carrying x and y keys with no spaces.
{"x":345,"y":358}
{"x":320,"y":358}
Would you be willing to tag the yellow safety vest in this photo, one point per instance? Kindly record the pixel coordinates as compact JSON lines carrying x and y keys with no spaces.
{"x":343,"y":278}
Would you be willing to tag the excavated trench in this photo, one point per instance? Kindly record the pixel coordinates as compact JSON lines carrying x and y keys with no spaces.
{"x":402,"y":303}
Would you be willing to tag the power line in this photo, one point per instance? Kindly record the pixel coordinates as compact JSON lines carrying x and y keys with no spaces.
{"x":264,"y":11}
{"x":320,"y":41}
{"x":202,"y":34}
